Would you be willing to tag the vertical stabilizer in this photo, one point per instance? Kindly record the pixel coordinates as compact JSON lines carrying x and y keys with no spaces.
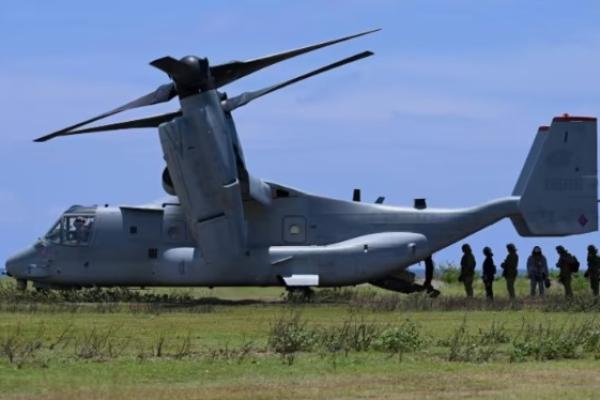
{"x":559,"y":185}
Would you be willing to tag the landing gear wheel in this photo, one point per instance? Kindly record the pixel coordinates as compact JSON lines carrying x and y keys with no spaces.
{"x":300,"y":294}
{"x":21,"y":284}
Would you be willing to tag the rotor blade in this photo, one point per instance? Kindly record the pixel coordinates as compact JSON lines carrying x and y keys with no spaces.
{"x":162,"y":94}
{"x":229,"y":72}
{"x":245,"y":98}
{"x":149,"y":122}
{"x":171,"y":66}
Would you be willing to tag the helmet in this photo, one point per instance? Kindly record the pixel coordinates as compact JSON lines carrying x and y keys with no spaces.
{"x":466,"y":248}
{"x":511,"y":247}
{"x":537,"y":250}
{"x":592,"y":249}
{"x":487,"y":251}
{"x":560,"y":249}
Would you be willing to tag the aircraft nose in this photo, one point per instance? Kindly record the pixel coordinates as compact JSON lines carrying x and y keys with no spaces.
{"x":16,"y":266}
{"x":9,"y":267}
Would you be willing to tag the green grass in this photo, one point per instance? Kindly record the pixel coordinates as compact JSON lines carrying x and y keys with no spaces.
{"x":223,"y":352}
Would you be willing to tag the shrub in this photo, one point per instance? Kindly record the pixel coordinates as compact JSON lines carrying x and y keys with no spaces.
{"x":464,"y":347}
{"x":18,"y":348}
{"x":448,"y":273}
{"x":495,"y":334}
{"x":99,"y":344}
{"x":289,"y":335}
{"x":231,"y":354}
{"x":546,"y":342}
{"x":334,"y":295}
{"x":184,"y":348}
{"x":355,"y":334}
{"x":405,"y":338}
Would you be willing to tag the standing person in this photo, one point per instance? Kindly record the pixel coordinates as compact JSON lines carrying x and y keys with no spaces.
{"x":593,"y":271}
{"x":429,"y":268}
{"x":467,"y":269}
{"x":537,"y":270}
{"x":567,"y":265}
{"x":489,"y":272}
{"x":509,"y":269}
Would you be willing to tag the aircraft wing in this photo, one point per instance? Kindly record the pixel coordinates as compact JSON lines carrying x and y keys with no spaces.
{"x":201,"y":160}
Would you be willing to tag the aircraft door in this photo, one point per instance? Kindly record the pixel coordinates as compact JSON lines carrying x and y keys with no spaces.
{"x":294,"y":229}
{"x":142,"y":225}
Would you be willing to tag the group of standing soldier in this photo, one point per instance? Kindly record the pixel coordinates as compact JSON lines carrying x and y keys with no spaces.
{"x":537,"y":270}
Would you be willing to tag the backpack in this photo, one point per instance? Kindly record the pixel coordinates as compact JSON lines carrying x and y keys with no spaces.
{"x":574,"y":264}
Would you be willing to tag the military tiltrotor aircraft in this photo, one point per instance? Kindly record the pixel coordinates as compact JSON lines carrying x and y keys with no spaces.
{"x":223,"y":226}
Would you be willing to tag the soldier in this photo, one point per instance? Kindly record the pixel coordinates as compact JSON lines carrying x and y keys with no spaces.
{"x":82,"y":230}
{"x":593,"y":271}
{"x":509,"y":269}
{"x":489,"y":272}
{"x":429,"y":269}
{"x":467,"y":269}
{"x":79,"y":230}
{"x":567,"y":265}
{"x":537,"y":270}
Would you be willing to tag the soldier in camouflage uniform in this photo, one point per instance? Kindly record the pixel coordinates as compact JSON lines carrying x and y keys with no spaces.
{"x":537,"y":271}
{"x":567,"y":265}
{"x":489,"y":273}
{"x":467,"y":269}
{"x":509,"y":269}
{"x":593,"y":271}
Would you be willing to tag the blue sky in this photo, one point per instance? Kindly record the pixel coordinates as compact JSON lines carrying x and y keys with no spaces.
{"x":446,"y":110}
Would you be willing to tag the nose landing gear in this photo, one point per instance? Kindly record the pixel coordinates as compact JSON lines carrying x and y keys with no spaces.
{"x":21,"y":284}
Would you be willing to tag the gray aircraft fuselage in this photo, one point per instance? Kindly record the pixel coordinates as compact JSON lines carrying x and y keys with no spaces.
{"x":341,"y":242}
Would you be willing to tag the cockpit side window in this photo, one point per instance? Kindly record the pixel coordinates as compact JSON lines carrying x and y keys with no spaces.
{"x":72,"y":230}
{"x":54,"y":235}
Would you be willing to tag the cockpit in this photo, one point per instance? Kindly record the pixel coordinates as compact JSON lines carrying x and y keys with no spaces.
{"x":74,"y":228}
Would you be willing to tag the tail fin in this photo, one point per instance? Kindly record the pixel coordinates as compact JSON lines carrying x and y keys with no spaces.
{"x":558,"y":184}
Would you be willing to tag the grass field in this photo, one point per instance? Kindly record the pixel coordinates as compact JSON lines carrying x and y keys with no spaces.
{"x":252,"y":343}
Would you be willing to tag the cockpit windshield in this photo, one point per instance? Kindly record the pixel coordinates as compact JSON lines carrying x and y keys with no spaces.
{"x":72,"y":229}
